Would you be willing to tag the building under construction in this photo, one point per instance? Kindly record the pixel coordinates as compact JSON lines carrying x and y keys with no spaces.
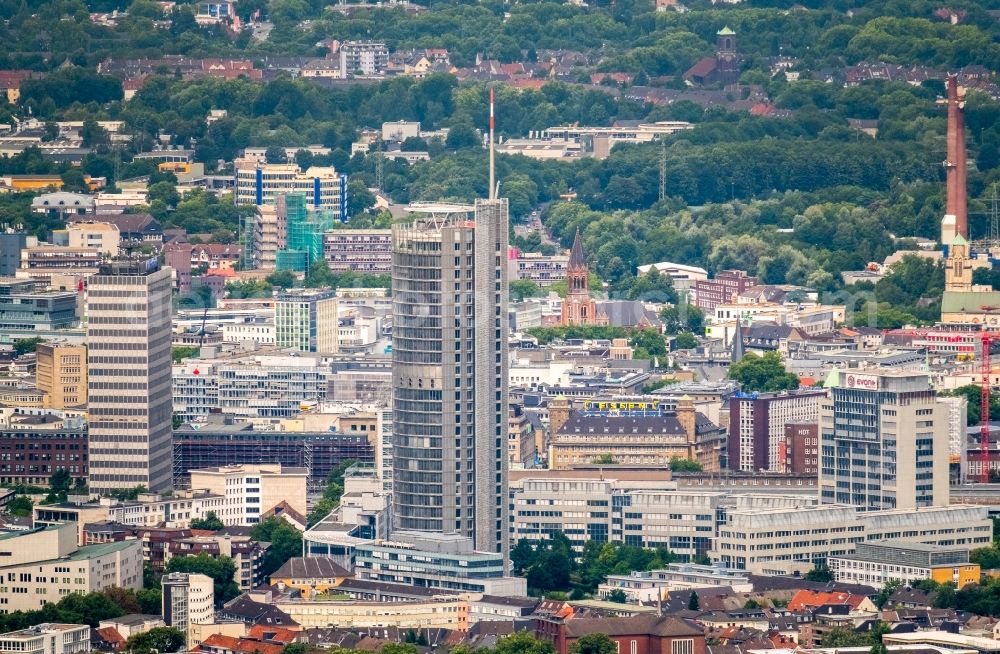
{"x":224,"y":445}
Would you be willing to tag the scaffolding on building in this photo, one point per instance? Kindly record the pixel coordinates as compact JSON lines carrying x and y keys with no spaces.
{"x":304,"y":229}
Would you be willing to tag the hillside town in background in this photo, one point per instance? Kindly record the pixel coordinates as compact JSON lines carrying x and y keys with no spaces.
{"x":424,"y":381}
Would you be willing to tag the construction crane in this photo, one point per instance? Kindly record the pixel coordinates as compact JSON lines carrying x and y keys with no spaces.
{"x":985,"y":371}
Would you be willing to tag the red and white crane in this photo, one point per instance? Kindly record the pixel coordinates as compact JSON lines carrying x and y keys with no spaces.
{"x":985,"y":387}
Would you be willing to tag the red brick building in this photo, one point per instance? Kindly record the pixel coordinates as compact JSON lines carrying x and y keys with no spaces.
{"x":757,"y":426}
{"x":32,"y":448}
{"x":802,"y":448}
{"x":639,"y":634}
{"x":720,"y":289}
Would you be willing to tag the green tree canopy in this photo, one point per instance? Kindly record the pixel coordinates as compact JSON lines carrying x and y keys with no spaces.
{"x":683,"y":317}
{"x":762,"y":373}
{"x":285,"y":540}
{"x":678,"y":464}
{"x":210,"y":522}
{"x":838,"y":637}
{"x":221,"y":569}
{"x":820,"y":573}
{"x":523,"y":288}
{"x":685,"y":341}
{"x":24,"y":346}
{"x":20,"y":507}
{"x":594,"y":644}
{"x":522,"y":642}
{"x":156,"y":640}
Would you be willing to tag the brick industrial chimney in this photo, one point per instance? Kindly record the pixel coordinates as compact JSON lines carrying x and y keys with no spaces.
{"x":956,"y":211}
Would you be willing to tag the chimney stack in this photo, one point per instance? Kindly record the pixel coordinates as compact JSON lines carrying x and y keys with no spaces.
{"x":956,"y":211}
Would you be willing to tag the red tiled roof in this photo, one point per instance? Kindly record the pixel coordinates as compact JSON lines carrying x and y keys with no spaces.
{"x":702,"y":68}
{"x":283,"y":507}
{"x":221,"y":272}
{"x":221,"y":643}
{"x":527,"y":83}
{"x":272,"y":634}
{"x":111,"y":635}
{"x":11,"y":79}
{"x":811,"y":599}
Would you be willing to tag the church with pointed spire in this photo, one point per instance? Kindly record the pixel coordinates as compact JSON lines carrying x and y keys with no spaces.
{"x":578,"y":308}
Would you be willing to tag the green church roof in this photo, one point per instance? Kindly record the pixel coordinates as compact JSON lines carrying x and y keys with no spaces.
{"x":968,"y":302}
{"x":726,"y":31}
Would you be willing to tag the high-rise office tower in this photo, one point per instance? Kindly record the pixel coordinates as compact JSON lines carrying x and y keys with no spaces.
{"x":128,"y":375}
{"x":449,"y":293}
{"x":883,"y":442}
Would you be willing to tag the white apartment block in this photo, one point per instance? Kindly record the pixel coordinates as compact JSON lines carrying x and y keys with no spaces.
{"x":45,"y":564}
{"x":265,"y":387}
{"x":876,"y":564}
{"x":263,"y":183}
{"x":268,"y":234}
{"x":47,"y":638}
{"x":649,"y":586}
{"x":446,"y":612}
{"x":251,"y":490}
{"x":258,"y":332}
{"x":640,"y":514}
{"x":357,"y":328}
{"x":104,"y":237}
{"x":174,"y":511}
{"x":530,"y":374}
{"x":188,"y":600}
{"x":794,"y":539}
{"x":810,"y":318}
{"x":364,"y":58}
{"x":359,"y":250}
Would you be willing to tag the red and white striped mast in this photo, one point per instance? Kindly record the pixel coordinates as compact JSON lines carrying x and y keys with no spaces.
{"x":493,"y":190}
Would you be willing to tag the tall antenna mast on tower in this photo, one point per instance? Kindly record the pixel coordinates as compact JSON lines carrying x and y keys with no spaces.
{"x":493,"y":189}
{"x":663,"y":171}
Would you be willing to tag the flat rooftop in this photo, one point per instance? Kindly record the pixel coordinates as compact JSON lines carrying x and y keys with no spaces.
{"x":38,"y":630}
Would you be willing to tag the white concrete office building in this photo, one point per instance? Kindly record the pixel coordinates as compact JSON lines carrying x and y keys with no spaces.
{"x":787,"y":540}
{"x":188,"y":600}
{"x":47,"y":638}
{"x":884,"y":442}
{"x":450,"y":371}
{"x":129,"y":376}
